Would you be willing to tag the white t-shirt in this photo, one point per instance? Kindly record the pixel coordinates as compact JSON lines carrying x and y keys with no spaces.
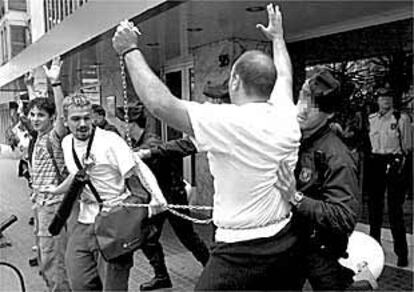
{"x":245,"y":144}
{"x":113,"y":160}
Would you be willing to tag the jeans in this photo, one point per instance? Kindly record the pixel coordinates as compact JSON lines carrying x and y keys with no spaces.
{"x":272,"y":263}
{"x":51,"y":250}
{"x":88,"y":270}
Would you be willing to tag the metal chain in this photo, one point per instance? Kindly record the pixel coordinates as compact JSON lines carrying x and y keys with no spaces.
{"x":170,"y":207}
{"x":194,"y":220}
{"x":125,"y":100}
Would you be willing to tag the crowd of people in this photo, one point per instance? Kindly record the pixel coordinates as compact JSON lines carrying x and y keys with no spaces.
{"x":286,"y":187}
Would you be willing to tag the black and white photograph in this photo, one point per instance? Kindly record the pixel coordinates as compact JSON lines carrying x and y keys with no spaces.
{"x":206,"y":145}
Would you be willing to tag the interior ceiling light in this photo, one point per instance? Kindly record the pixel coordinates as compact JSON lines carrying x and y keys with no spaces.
{"x":254,"y":9}
{"x":194,"y":29}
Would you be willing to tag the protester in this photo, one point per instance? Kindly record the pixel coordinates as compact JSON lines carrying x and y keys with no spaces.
{"x":255,"y":247}
{"x":99,"y":119}
{"x":165,"y":169}
{"x":110,"y":164}
{"x":391,"y":142}
{"x":325,"y":206}
{"x":47,"y":168}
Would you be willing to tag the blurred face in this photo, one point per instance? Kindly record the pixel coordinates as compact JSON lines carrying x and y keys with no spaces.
{"x":310,"y":118}
{"x":385,"y":103}
{"x":40,"y":120}
{"x":97,"y":119}
{"x":79,"y":121}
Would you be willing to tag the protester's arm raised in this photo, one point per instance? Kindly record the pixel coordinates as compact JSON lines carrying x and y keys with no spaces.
{"x":155,"y":95}
{"x":274,"y":32}
{"x":53,"y":74}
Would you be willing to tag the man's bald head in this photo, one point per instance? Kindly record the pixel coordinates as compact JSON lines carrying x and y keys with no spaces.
{"x":257,"y":72}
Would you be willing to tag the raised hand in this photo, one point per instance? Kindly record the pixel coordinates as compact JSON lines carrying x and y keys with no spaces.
{"x":125,"y":37}
{"x":274,"y":29}
{"x":286,"y":182}
{"x":53,"y":73}
{"x":29,"y":79}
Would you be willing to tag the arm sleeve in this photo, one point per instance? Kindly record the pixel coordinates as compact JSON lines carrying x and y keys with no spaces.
{"x":179,"y":148}
{"x":338,"y":208}
{"x":407,"y":138}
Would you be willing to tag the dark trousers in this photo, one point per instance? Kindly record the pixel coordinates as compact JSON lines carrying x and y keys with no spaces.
{"x":88,"y":270}
{"x":324,"y":272}
{"x":272,"y":263}
{"x":379,"y":181}
{"x":184,"y":231}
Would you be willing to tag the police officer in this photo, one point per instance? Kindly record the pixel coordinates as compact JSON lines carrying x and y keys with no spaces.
{"x":163,"y":161}
{"x":325,"y":205}
{"x":99,"y":119}
{"x":391,"y":141}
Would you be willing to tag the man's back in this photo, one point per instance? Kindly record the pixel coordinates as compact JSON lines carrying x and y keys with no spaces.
{"x":245,"y":145}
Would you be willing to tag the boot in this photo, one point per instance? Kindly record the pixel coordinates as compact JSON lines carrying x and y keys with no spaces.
{"x":161,"y":278}
{"x":158,"y":282}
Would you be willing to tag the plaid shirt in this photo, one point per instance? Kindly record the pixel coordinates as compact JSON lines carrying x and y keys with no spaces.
{"x":43,"y":171}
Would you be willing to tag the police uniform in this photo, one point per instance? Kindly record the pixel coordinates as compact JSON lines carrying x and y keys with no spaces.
{"x":326,"y":174}
{"x":165,"y":163}
{"x":390,"y":139}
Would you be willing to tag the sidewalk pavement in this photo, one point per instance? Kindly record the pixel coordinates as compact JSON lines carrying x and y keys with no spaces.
{"x":183,"y":268}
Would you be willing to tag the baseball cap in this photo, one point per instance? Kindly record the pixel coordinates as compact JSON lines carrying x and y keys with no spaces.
{"x":325,"y":90}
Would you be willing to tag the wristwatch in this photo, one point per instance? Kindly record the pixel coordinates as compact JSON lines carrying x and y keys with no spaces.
{"x":297,"y":199}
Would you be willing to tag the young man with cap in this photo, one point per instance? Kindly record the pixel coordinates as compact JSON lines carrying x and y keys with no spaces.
{"x":255,"y":246}
{"x":325,"y":206}
{"x":99,"y":119}
{"x":391,"y":141}
{"x":169,"y":177}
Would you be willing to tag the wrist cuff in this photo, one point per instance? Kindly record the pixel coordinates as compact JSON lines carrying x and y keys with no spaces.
{"x":128,"y":51}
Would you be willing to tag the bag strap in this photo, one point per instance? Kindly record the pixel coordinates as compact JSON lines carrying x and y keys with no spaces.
{"x":52,"y":156}
{"x":80,"y":167}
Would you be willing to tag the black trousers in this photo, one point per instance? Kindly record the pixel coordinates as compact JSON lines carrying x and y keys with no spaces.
{"x":272,"y":263}
{"x":324,"y":272}
{"x":182,"y":228}
{"x":378,"y":182}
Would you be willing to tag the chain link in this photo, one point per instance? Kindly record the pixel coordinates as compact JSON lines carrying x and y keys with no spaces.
{"x":125,"y":100}
{"x":170,"y":208}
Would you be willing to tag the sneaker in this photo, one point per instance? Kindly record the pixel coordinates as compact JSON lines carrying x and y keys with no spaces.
{"x":156,"y":283}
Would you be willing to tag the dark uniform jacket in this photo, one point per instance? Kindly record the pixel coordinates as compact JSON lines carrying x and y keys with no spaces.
{"x":109,"y":127}
{"x":326,"y":174}
{"x":167,"y":169}
{"x":178,"y":148}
